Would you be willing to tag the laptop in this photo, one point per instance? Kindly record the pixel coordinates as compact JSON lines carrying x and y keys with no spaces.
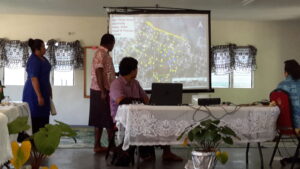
{"x":166,"y":94}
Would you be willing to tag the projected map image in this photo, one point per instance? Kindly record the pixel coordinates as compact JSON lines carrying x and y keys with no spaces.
{"x":169,"y":49}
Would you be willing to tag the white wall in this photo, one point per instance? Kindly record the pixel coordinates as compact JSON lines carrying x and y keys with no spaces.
{"x":275,"y":41}
{"x":71,"y":106}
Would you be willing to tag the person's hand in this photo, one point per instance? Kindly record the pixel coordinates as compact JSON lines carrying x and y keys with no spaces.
{"x":41,"y":101}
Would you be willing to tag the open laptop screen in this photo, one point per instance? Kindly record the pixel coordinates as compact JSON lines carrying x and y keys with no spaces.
{"x":166,"y":94}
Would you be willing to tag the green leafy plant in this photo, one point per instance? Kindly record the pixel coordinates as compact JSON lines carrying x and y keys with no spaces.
{"x":207,"y":136}
{"x":47,"y":139}
{"x":20,"y":153}
{"x":18,"y":125}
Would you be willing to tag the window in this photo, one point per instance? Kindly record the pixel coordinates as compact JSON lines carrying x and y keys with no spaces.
{"x":220,"y":81}
{"x":236,"y":79}
{"x":233,"y":66}
{"x":14,"y":55}
{"x":242,"y":79}
{"x":63,"y":77}
{"x":14,"y":76}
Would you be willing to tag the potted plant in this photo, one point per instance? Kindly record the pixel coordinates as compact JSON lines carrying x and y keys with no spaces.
{"x":43,"y":143}
{"x":47,"y":139}
{"x":21,"y":152}
{"x":206,"y":138}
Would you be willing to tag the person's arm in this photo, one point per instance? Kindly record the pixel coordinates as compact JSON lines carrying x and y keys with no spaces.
{"x":146,"y":100}
{"x":116,"y":92}
{"x":143,"y":95}
{"x":100,"y":81}
{"x":33,"y":71}
{"x":98,"y":62}
{"x":120,"y":99}
{"x":36,"y":87}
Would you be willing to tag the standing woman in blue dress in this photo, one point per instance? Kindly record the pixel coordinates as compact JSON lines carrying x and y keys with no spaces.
{"x":37,"y":89}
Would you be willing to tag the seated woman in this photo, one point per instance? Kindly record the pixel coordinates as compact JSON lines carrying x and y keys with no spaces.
{"x":126,"y":89}
{"x":292,"y":85}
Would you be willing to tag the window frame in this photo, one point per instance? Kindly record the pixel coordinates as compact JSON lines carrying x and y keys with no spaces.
{"x":231,"y":81}
{"x":53,"y":80}
{"x":4,"y":79}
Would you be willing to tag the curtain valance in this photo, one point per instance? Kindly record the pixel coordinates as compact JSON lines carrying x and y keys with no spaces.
{"x":13,"y":53}
{"x":61,"y":55}
{"x":245,"y":58}
{"x":65,"y":55}
{"x":226,"y":58}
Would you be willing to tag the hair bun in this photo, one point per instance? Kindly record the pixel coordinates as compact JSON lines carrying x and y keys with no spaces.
{"x":30,"y":42}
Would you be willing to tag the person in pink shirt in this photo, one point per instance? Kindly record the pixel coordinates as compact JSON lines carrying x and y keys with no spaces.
{"x":103,"y":73}
{"x":126,"y":90}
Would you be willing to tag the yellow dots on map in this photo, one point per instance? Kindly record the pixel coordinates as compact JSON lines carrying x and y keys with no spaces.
{"x":159,"y":46}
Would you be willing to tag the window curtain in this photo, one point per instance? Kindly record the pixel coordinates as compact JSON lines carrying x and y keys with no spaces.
{"x":61,"y":55}
{"x":13,"y":53}
{"x":222,"y":58}
{"x":65,"y":55}
{"x":2,"y":46}
{"x":226,"y":58}
{"x":245,"y":58}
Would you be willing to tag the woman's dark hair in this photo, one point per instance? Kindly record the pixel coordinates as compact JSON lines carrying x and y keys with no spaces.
{"x":127,"y":65}
{"x":292,"y":68}
{"x":107,"y":39}
{"x":35,"y":44}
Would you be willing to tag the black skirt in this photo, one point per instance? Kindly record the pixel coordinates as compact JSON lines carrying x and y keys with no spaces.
{"x":99,"y":110}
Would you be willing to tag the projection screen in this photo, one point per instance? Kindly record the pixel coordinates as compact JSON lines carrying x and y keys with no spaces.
{"x":170,"y":47}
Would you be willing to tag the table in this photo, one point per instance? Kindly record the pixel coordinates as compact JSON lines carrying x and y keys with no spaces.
{"x":7,"y":115}
{"x":142,"y":125}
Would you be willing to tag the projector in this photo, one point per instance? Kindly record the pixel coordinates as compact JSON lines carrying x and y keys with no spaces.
{"x":208,"y":101}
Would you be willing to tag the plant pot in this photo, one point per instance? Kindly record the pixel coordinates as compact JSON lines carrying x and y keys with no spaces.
{"x":204,"y":160}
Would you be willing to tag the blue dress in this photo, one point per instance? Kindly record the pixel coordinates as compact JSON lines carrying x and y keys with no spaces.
{"x":41,"y":69}
{"x":293,"y":88}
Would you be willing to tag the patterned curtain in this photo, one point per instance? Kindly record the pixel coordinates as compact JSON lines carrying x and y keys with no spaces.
{"x":50,"y":53}
{"x":2,"y":46}
{"x":65,"y":55}
{"x":222,"y":58}
{"x":226,"y":58}
{"x":13,"y":53}
{"x":245,"y":58}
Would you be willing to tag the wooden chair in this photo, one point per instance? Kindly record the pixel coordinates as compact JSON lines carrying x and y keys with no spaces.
{"x":285,"y":125}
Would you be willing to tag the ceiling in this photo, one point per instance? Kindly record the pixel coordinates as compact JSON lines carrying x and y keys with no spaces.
{"x":220,"y":9}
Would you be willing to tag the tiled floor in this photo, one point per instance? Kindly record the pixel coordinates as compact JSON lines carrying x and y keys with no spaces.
{"x":85,"y":159}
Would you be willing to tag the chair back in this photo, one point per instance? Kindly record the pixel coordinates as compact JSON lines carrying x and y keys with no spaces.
{"x":285,"y":120}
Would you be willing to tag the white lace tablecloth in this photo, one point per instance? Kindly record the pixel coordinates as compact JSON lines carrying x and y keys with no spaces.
{"x":161,"y":125}
{"x":7,"y":115}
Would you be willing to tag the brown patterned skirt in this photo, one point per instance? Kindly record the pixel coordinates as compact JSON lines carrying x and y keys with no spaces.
{"x":99,"y":110}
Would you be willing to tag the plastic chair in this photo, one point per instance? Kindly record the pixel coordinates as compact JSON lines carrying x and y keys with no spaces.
{"x":285,"y":124}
